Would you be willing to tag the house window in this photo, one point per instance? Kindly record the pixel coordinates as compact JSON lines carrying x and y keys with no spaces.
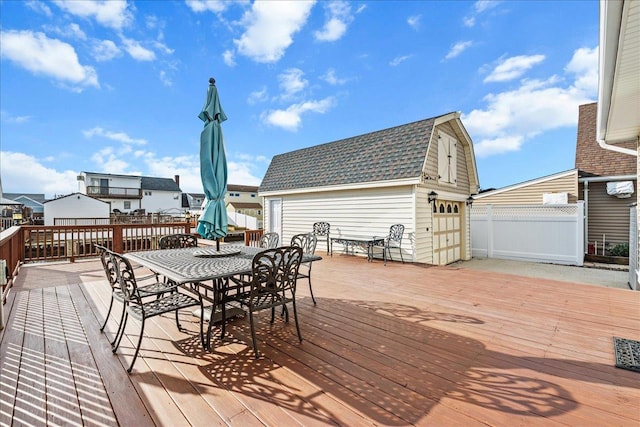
{"x":127,"y":204}
{"x":447,"y":159}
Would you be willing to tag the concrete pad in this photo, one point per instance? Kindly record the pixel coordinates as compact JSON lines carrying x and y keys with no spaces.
{"x":613,"y":276}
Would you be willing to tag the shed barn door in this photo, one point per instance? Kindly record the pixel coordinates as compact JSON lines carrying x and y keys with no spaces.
{"x":447,"y":233}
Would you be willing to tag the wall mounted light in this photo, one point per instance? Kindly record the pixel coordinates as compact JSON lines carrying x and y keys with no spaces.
{"x":433,"y":196}
{"x":469,"y":201}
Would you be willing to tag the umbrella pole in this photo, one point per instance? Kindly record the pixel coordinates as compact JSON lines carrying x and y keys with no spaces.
{"x":218,"y":244}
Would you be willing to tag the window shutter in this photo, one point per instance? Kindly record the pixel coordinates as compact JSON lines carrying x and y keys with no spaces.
{"x":447,"y":159}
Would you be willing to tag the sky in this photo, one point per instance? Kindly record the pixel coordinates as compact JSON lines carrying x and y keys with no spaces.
{"x":117,"y":86}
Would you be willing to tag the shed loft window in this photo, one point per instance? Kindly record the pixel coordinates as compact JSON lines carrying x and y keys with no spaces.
{"x":447,"y":159}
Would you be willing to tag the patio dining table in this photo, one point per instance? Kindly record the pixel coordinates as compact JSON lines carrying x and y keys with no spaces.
{"x":204,"y":270}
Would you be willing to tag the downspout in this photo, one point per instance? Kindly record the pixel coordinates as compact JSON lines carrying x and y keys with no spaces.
{"x":585,"y":189}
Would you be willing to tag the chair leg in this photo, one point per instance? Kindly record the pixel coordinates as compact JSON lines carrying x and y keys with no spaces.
{"x":295,"y":317}
{"x":120,"y":324}
{"x":253,"y":335}
{"x":106,"y":317}
{"x":123,"y":324}
{"x":178,"y":322}
{"x":135,"y":355}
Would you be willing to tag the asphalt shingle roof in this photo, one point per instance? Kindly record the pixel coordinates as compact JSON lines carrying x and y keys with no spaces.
{"x":395,"y":153}
{"x":158,"y":184}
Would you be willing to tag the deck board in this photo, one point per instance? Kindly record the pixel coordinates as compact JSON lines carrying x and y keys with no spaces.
{"x":396,"y":345}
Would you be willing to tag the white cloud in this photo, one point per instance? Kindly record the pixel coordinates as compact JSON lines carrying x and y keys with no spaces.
{"x":582,"y":66}
{"x":292,"y":82}
{"x":72,"y":31}
{"x":458,"y":48}
{"x":165,"y":79}
{"x":479,"y":7}
{"x":414,"y":21}
{"x":50,"y":57}
{"x":270,"y":27}
{"x":113,"y":13}
{"x":338,"y":15}
{"x":8,"y":118}
{"x":39,"y":6}
{"x":290,"y":119}
{"x":137,"y":51}
{"x":257,"y":96}
{"x":399,"y":59}
{"x":536,"y":106}
{"x":109,"y":161}
{"x":215,"y":6}
{"x":514,"y":67}
{"x":228,"y":58}
{"x":26,"y":174}
{"x":105,"y":50}
{"x":114,"y":136}
{"x":331,"y":78}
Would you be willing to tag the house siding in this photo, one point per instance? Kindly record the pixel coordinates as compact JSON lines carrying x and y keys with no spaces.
{"x":462,"y":185}
{"x":368,"y":212}
{"x":532,"y":194}
{"x":608,"y":215}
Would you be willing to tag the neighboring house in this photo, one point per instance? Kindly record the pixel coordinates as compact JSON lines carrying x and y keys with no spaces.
{"x":605,"y":180}
{"x":561,"y":187}
{"x":128,"y":193}
{"x":30,"y":200}
{"x":618,"y":114}
{"x":419,"y":174}
{"x":192,"y":201}
{"x":243,"y":199}
{"x":75,"y":206}
{"x":607,"y":183}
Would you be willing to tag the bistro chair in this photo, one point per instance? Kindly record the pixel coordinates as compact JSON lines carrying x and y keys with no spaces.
{"x":272,"y":284}
{"x":322,"y":229}
{"x":308,"y":243}
{"x":393,"y":240}
{"x":175,"y":241}
{"x":139,"y":308}
{"x":154,"y":289}
{"x":269,"y":240}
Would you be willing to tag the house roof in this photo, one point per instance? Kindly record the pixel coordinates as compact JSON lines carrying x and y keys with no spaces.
{"x":524,"y":184}
{"x":158,"y":184}
{"x":390,"y":154}
{"x":79,"y":195}
{"x":243,"y":188}
{"x":36,"y":197}
{"x":245,"y":205}
{"x":591,"y":158}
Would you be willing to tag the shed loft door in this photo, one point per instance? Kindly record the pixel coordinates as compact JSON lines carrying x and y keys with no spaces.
{"x":447,"y":233}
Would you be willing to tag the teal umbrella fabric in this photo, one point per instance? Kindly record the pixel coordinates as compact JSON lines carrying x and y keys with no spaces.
{"x":213,"y":222}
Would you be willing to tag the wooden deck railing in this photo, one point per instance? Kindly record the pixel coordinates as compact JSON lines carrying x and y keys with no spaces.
{"x":252,"y":237}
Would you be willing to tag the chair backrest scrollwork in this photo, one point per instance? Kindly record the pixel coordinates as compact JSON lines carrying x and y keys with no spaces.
{"x":269,"y":240}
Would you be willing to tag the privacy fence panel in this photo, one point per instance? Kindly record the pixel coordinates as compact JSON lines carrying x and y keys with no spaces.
{"x":633,"y":247}
{"x":538,"y":233}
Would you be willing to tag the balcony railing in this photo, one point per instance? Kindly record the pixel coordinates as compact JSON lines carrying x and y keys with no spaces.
{"x":114,"y":192}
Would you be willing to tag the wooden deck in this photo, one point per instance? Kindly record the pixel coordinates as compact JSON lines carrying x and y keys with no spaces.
{"x":396,"y":345}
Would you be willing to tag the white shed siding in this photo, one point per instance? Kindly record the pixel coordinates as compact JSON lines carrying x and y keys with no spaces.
{"x":74,"y":206}
{"x":351,"y":212}
{"x":424,"y":227}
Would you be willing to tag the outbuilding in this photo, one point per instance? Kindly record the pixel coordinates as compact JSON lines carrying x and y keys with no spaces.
{"x":419,"y":174}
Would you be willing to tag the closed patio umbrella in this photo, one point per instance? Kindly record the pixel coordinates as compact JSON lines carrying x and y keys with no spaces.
{"x":213,"y":222}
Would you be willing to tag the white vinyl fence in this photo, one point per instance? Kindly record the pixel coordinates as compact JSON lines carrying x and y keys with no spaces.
{"x":633,"y":247}
{"x":537,"y":233}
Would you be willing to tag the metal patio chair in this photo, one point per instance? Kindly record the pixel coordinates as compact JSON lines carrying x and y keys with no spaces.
{"x":393,"y":240}
{"x":142,"y":309}
{"x":272,"y":284}
{"x":153,"y":289}
{"x":269,"y":240}
{"x":322,"y":229}
{"x":175,"y":241}
{"x":308,"y":243}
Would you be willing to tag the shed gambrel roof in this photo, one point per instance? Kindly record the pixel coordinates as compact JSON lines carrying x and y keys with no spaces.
{"x":390,"y":154}
{"x":158,"y":184}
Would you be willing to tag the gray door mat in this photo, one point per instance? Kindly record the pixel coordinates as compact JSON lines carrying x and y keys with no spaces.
{"x":627,"y":353}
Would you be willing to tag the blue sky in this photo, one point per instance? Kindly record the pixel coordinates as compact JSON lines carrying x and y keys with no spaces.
{"x":110,"y":86}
